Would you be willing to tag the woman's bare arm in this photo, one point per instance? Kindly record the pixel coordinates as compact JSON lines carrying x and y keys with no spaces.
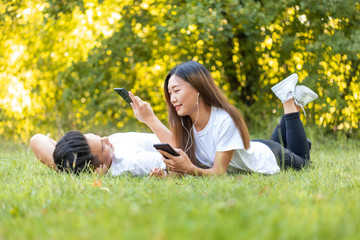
{"x":144,"y":113}
{"x":183,"y":164}
{"x":43,"y":147}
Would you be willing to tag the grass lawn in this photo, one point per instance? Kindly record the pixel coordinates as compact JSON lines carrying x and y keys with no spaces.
{"x":320,"y":202}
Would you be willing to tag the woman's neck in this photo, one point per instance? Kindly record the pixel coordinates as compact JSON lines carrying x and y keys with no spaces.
{"x":201,"y":119}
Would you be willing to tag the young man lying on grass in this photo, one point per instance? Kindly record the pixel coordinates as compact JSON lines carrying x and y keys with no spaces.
{"x":120,"y":153}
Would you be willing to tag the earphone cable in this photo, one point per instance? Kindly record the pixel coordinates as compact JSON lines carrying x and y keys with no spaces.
{"x":188,"y":132}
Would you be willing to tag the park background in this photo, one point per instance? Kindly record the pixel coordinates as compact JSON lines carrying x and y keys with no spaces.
{"x":60,"y":60}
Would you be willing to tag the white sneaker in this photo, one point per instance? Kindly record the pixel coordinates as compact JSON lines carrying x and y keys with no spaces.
{"x":304,"y":95}
{"x":285,"y":89}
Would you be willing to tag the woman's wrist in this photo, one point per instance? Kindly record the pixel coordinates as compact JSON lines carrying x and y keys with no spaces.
{"x":192,"y":169}
{"x":152,"y":122}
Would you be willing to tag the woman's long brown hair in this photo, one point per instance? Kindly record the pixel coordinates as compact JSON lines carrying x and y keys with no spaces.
{"x":200,"y":79}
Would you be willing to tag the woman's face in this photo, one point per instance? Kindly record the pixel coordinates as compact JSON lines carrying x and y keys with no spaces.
{"x":101,"y":148}
{"x":183,"y":96}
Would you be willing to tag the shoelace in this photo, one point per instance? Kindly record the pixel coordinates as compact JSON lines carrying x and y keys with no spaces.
{"x":298,"y":104}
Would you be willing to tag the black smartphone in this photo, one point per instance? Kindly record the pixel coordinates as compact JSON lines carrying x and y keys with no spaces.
{"x":124,"y":94}
{"x":167,"y":148}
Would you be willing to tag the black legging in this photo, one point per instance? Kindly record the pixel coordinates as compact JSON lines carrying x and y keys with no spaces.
{"x":289,"y":143}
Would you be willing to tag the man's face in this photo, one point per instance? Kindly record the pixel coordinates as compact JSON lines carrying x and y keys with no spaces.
{"x":101,"y":148}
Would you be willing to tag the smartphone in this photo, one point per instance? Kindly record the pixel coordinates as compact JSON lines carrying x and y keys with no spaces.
{"x":124,"y":94}
{"x":167,"y":148}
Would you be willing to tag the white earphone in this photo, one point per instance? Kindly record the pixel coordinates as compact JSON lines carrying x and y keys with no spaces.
{"x":197,"y":101}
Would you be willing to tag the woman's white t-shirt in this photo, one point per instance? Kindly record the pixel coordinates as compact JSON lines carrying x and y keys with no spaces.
{"x":221,"y":134}
{"x":134,"y":153}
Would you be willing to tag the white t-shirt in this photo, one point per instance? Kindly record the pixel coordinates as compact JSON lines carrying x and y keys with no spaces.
{"x":221,"y":134}
{"x":134,"y":153}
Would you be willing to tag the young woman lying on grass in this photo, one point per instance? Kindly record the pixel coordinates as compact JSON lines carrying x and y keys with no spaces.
{"x":212,"y":135}
{"x":120,"y":153}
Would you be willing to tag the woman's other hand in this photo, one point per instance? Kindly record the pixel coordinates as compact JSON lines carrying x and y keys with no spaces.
{"x":101,"y":170}
{"x":158,"y":173}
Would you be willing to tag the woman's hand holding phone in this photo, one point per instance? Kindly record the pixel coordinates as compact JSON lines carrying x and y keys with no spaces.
{"x":144,"y":113}
{"x":181,"y":164}
{"x":142,"y":110}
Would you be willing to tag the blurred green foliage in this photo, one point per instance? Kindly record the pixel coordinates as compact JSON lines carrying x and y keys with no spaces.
{"x":60,"y":60}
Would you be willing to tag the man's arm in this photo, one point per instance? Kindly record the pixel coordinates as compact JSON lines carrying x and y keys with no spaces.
{"x":43,"y":147}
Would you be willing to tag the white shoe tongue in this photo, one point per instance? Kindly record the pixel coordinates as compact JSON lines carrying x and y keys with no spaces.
{"x":289,"y":96}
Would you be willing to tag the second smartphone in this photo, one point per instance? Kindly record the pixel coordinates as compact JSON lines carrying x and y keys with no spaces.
{"x":167,"y":148}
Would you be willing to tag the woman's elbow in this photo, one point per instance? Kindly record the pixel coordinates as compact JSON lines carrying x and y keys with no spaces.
{"x":219,"y":172}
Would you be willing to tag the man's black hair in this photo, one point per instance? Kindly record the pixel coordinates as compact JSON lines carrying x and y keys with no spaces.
{"x":72,"y":153}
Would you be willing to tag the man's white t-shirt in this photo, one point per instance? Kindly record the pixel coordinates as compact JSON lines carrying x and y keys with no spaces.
{"x":134,"y":153}
{"x":221,"y":134}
